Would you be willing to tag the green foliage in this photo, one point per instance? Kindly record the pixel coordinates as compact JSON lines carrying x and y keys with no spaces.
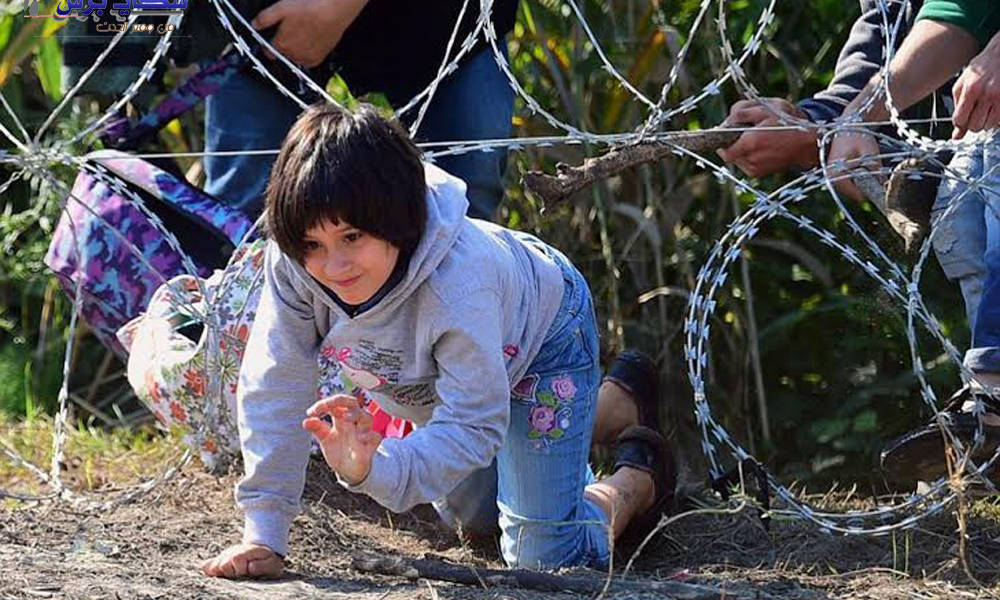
{"x":836,"y":364}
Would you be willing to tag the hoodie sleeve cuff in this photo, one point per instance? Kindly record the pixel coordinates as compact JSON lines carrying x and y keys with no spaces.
{"x":818,"y":111}
{"x":382,"y":483}
{"x":268,"y":528}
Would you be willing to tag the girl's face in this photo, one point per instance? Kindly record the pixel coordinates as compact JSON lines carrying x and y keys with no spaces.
{"x":352,"y":263}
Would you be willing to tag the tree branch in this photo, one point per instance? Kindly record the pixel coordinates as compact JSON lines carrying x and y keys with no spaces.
{"x":554,"y":188}
{"x":588,"y":583}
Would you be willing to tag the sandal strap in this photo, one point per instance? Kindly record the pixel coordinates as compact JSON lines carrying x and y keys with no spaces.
{"x":642,"y":448}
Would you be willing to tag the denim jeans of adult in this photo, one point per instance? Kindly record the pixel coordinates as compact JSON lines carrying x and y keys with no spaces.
{"x":967,"y":244}
{"x":249,"y":113}
{"x":534,"y":488}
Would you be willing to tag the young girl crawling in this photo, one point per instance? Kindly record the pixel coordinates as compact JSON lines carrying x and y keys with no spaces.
{"x":482,"y":336}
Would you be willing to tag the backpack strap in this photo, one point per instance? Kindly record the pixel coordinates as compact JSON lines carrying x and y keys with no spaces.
{"x":126,"y":134}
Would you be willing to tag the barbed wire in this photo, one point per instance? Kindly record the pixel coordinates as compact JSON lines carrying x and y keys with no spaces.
{"x":32,"y":158}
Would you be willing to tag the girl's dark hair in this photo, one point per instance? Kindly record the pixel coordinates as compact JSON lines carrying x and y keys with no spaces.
{"x":346,"y":166}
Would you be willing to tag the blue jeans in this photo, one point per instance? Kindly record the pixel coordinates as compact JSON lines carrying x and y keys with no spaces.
{"x":967,"y":244}
{"x":248,"y":113}
{"x":535,"y":486}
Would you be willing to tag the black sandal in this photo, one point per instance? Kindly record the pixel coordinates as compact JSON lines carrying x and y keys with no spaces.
{"x":642,"y":448}
{"x":920,"y":454}
{"x":635,"y":372}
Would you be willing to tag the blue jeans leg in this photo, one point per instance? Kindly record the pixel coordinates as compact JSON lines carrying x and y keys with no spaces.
{"x":960,"y":233}
{"x":984,"y":357}
{"x":542,"y":468}
{"x":474,"y":103}
{"x":247,"y":113}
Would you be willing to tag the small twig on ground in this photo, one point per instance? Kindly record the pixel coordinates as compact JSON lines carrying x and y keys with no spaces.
{"x":434,"y":593}
{"x":455,"y":573}
{"x":611,"y":557}
{"x":664,"y":522}
{"x":553,"y":188}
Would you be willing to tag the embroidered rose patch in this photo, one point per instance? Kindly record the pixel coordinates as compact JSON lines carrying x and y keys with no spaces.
{"x":548,"y":418}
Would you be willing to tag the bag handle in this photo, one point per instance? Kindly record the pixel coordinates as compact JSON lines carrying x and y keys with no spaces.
{"x":125,"y":134}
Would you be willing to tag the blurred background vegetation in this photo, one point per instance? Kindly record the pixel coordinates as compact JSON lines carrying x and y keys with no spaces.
{"x":836,"y":372}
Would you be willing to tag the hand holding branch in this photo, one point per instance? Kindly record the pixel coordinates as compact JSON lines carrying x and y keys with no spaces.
{"x":762,"y":151}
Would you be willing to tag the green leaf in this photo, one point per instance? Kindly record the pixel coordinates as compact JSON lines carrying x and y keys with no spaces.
{"x":546,"y":398}
{"x":866,"y":421}
{"x":534,"y":435}
{"x":48,"y":64}
{"x":6,"y":28}
{"x":825,"y":430}
{"x":556,"y":433}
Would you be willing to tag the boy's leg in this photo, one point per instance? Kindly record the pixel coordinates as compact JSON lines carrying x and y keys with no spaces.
{"x":959,"y":236}
{"x":247,"y":113}
{"x":919,"y":454}
{"x":472,"y":506}
{"x":983,"y":358}
{"x":475,"y":102}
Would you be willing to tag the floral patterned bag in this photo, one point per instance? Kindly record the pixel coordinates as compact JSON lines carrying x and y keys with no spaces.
{"x":186,"y":372}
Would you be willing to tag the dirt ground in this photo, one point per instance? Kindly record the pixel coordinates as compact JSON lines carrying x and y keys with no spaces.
{"x":150,"y":549}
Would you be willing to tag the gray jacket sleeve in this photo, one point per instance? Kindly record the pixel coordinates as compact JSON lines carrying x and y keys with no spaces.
{"x":466,"y":429}
{"x":860,"y":59}
{"x":277,"y":385}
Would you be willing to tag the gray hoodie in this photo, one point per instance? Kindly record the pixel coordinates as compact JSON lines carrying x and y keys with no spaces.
{"x":442,"y":348}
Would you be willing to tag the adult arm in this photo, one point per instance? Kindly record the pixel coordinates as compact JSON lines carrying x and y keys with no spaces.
{"x":977,"y":92}
{"x":762,"y":152}
{"x":929,"y":56}
{"x":861,"y":58}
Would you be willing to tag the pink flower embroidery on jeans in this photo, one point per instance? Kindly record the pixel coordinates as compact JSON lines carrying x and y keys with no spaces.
{"x":542,"y":418}
{"x":549,"y":416}
{"x":563,"y":387}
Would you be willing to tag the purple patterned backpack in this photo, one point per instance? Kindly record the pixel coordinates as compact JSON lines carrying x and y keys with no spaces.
{"x":129,"y":225}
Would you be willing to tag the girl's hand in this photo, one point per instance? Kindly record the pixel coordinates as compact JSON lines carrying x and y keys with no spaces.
{"x":244,"y":560}
{"x":855,"y":150}
{"x":348,"y":442}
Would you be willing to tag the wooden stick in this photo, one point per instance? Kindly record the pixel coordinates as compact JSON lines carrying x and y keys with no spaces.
{"x":554,"y":188}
